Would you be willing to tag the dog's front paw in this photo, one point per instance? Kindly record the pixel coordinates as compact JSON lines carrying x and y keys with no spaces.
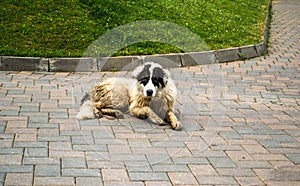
{"x":177,"y":126}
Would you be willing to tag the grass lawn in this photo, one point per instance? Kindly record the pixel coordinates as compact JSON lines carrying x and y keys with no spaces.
{"x":56,"y":28}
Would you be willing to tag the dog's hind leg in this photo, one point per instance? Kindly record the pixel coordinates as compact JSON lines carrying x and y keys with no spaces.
{"x":86,"y":111}
{"x":147,"y":112}
{"x":112,"y":112}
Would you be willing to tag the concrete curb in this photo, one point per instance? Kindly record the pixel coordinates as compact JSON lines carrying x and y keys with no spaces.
{"x":8,"y":63}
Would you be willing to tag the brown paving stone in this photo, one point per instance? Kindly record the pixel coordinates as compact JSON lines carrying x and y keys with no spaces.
{"x":179,"y":152}
{"x":26,"y":137}
{"x":202,"y":170}
{"x":268,"y":157}
{"x":239,"y":155}
{"x":255,"y":149}
{"x":119,"y":149}
{"x":216,"y":180}
{"x":182,"y":178}
{"x":155,"y":183}
{"x":245,"y":181}
{"x":52,"y":181}
{"x":10,"y":159}
{"x":66,"y":154}
{"x":284,"y":166}
{"x":273,"y":175}
{"x":114,"y":175}
{"x":18,"y":179}
{"x":280,"y":183}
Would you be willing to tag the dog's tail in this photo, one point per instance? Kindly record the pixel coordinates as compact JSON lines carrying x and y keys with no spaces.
{"x":86,"y":110}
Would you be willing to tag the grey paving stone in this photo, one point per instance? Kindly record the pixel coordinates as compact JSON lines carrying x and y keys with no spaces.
{"x":90,"y":181}
{"x":270,"y":131}
{"x":90,"y":147}
{"x":82,"y":140}
{"x":244,"y":130}
{"x":107,"y":164}
{"x":171,"y":144}
{"x":59,"y":115}
{"x":253,"y":164}
{"x":91,"y":122}
{"x":47,"y":170}
{"x":30,"y":108}
{"x":295,"y":158}
{"x":73,"y":163}
{"x":36,"y":152}
{"x":222,"y":162}
{"x":148,"y":176}
{"x":16,"y":168}
{"x":80,"y":172}
{"x":283,"y":138}
{"x":11,"y":151}
{"x":42,"y":125}
{"x":106,"y":134}
{"x":9,"y":113}
{"x":159,"y":159}
{"x":170,"y":168}
{"x":270,"y":143}
{"x":230,"y":135}
{"x":54,"y":138}
{"x":193,"y":160}
{"x":38,"y":119}
{"x":127,"y":157}
{"x":40,"y":161}
{"x":15,"y":92}
{"x":138,"y":167}
{"x":31,"y":144}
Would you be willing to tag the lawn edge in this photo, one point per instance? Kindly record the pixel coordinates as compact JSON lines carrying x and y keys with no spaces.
{"x":11,"y":63}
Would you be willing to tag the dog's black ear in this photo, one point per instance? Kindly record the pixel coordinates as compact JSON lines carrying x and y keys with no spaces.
{"x":141,"y":72}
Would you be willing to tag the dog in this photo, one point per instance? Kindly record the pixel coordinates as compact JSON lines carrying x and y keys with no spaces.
{"x":150,"y":93}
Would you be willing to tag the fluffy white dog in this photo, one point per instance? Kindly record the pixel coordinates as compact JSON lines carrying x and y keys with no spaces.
{"x":149,"y":94}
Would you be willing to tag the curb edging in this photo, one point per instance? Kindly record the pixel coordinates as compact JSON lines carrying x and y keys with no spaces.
{"x":10,"y":63}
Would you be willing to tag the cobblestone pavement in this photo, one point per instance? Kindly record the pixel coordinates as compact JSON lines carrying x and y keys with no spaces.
{"x":241,"y":125}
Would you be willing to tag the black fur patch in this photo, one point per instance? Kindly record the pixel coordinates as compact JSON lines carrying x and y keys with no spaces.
{"x":144,"y":76}
{"x":158,"y":77}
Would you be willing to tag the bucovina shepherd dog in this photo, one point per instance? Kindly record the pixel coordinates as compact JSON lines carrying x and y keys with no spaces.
{"x":150,"y":93}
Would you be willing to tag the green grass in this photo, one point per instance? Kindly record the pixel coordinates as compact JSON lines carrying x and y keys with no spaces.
{"x":56,"y":28}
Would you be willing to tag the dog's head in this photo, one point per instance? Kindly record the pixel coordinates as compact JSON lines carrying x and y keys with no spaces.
{"x":152,"y":77}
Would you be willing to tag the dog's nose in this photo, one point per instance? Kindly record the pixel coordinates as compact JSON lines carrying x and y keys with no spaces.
{"x":149,"y":92}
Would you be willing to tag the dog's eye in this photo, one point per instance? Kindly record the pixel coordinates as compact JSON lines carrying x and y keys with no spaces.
{"x":157,"y":81}
{"x":144,"y":80}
